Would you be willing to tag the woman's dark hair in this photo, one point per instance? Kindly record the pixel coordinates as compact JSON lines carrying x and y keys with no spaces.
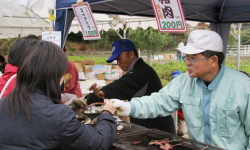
{"x":41,"y":67}
{"x":32,"y":36}
{"x":2,"y":59}
{"x":209,"y":54}
{"x":17,"y":49}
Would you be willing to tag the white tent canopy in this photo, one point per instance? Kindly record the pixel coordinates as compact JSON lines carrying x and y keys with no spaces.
{"x":22,"y":25}
{"x":106,"y":22}
{"x":17,"y":20}
{"x":21,"y":21}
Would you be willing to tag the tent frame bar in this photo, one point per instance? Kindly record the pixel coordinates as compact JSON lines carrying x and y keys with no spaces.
{"x":117,"y":8}
{"x":240,"y":14}
{"x":198,"y":13}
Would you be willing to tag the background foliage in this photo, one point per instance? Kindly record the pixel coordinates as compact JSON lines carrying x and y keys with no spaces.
{"x":165,"y":69}
{"x":148,"y":40}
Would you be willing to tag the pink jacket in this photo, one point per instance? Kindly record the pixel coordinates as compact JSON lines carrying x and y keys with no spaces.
{"x":71,"y":81}
{"x":8,"y":72}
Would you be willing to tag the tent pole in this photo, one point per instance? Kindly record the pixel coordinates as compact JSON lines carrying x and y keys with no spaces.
{"x":51,"y":19}
{"x":238,"y":55}
{"x":125,"y":30}
{"x":124,"y":33}
{"x":115,"y":31}
{"x":37,"y":19}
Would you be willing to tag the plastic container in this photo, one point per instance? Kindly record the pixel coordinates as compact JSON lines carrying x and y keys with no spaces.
{"x":114,"y":76}
{"x":108,"y":68}
{"x":98,"y":69}
{"x":81,"y":75}
{"x":119,"y":71}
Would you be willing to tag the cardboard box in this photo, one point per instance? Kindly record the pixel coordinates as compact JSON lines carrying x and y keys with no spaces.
{"x":101,"y":76}
{"x":166,"y":56}
{"x":89,"y":62}
{"x":173,"y":56}
{"x":115,"y":67}
{"x":79,"y":65}
{"x":85,"y":65}
{"x":88,"y":68}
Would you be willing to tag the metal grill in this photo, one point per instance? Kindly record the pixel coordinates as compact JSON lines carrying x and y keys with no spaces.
{"x":131,"y":129}
{"x":125,"y":139}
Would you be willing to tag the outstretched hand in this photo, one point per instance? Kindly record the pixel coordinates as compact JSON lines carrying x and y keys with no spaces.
{"x":122,"y":108}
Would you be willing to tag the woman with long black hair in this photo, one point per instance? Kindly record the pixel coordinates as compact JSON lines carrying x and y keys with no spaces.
{"x":32,"y":116}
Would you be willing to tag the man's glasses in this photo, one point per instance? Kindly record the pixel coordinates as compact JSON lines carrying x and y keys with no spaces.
{"x":190,"y":60}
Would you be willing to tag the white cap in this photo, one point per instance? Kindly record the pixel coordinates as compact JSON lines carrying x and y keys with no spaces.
{"x":202,"y":40}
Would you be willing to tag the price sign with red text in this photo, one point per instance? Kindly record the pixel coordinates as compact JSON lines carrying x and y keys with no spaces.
{"x":169,"y":15}
{"x":87,"y":22}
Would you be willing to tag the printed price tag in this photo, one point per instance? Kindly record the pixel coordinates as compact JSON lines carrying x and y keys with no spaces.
{"x":87,"y":22}
{"x":169,"y":15}
{"x":54,"y":37}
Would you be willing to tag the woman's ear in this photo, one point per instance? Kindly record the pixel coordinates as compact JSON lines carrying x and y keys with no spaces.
{"x":61,"y":80}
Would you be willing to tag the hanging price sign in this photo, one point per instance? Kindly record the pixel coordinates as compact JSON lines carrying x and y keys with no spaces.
{"x":169,"y":15}
{"x":87,"y":22}
{"x":54,"y":36}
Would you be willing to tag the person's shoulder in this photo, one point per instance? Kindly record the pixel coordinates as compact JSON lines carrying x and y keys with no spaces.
{"x":236,"y":75}
{"x":70,"y":63}
{"x":142,"y":64}
{"x":184,"y":78}
{"x":144,"y":69}
{"x":71,"y":68}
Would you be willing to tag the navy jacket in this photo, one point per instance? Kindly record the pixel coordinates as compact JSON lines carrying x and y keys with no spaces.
{"x":53,"y":126}
{"x":141,"y":80}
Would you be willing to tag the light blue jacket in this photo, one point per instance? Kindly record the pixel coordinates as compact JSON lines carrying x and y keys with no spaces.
{"x":218,"y":115}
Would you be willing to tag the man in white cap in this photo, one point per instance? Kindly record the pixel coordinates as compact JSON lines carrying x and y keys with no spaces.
{"x":214,"y":98}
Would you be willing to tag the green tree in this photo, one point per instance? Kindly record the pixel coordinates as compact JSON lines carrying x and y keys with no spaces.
{"x":245,"y":40}
{"x":150,"y":40}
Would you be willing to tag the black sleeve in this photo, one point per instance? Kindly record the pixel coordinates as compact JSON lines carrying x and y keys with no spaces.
{"x":127,"y":86}
{"x":92,"y":98}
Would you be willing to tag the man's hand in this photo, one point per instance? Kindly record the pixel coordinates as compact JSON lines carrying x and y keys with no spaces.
{"x":122,"y":108}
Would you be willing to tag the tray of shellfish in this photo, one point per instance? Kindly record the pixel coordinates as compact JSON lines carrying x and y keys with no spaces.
{"x":86,"y":115}
{"x":126,"y":128}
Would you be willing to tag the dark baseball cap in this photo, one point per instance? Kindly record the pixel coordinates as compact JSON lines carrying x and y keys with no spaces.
{"x":120,"y":46}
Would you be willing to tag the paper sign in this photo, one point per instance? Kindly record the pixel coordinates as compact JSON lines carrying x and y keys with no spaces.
{"x":87,"y":22}
{"x":169,"y":15}
{"x":54,"y":37}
